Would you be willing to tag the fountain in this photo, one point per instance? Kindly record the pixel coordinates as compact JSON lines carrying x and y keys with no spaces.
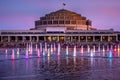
{"x":115,"y":49}
{"x":58,"y":49}
{"x":110,"y":54}
{"x":67,"y":51}
{"x":118,"y":48}
{"x":41,"y":47}
{"x":99,"y":48}
{"x":45,"y":47}
{"x":111,"y":47}
{"x":18,"y":51}
{"x":88,"y":48}
{"x":51,"y":48}
{"x":13,"y":54}
{"x":67,"y":60}
{"x":31,"y":49}
{"x":26,"y":54}
{"x":94,"y":48}
{"x":38,"y":53}
{"x":91,"y":53}
{"x":107,"y":47}
{"x":36,"y":47}
{"x":48,"y":52}
{"x":74,"y":51}
{"x":43,"y":52}
{"x":28,"y":48}
{"x":6,"y":51}
{"x":103,"y":49}
{"x":54,"y":47}
{"x":82,"y":49}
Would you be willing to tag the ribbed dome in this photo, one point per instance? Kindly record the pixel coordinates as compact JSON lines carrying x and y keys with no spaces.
{"x":62,"y":16}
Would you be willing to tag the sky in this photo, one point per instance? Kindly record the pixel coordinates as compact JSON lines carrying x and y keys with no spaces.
{"x":21,"y":14}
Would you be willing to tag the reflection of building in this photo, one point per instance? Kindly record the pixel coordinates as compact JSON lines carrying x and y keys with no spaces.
{"x":62,"y":25}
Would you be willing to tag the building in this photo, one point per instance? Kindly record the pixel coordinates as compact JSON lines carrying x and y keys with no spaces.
{"x":59,"y":26}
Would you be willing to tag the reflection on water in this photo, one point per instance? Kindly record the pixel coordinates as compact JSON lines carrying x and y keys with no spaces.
{"x":91,"y":65}
{"x":60,"y":68}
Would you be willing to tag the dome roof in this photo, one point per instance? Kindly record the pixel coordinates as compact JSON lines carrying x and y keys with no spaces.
{"x":63,"y":14}
{"x":63,"y":17}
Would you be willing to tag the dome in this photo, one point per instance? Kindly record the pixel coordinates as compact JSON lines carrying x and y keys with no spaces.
{"x":62,"y":18}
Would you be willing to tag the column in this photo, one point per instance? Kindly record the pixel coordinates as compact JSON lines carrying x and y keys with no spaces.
{"x":50,"y":38}
{"x":116,"y":37}
{"x":58,"y":39}
{"x":8,"y":38}
{"x":71,"y":38}
{"x":30,"y":38}
{"x":86,"y":39}
{"x":44,"y":38}
{"x":37,"y":38}
{"x":16,"y":39}
{"x":78,"y":38}
{"x":65,"y":38}
{"x":93,"y":38}
{"x":23,"y":39}
{"x":108,"y":38}
{"x":100,"y":38}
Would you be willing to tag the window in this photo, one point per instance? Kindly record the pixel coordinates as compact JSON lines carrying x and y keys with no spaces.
{"x":44,"y":22}
{"x":61,"y":22}
{"x":73,"y":22}
{"x":49,"y":22}
{"x":67,"y":22}
{"x":55,"y":22}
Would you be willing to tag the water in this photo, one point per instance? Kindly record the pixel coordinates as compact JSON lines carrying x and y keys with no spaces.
{"x":42,"y":65}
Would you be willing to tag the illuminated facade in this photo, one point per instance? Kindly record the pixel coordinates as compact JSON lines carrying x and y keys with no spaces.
{"x":60,"y":26}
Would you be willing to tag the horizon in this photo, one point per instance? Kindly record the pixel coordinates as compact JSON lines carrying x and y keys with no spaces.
{"x":21,"y":14}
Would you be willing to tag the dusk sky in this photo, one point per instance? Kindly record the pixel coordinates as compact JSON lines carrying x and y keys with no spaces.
{"x":21,"y":14}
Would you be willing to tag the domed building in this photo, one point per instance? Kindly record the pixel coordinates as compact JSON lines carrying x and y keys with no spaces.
{"x":60,"y":26}
{"x":64,"y":19}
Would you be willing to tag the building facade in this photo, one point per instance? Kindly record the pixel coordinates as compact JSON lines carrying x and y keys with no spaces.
{"x":61,"y":26}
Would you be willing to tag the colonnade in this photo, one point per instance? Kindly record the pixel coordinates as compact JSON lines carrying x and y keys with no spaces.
{"x":57,"y":38}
